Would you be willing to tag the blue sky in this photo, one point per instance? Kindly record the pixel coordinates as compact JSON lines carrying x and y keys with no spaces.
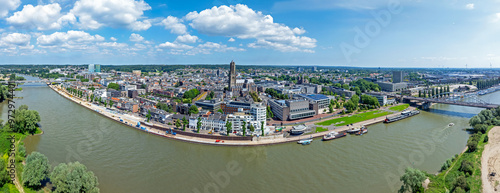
{"x":371,"y":33}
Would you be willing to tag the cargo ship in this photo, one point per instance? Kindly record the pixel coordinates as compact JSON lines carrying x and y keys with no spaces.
{"x":403,"y":115}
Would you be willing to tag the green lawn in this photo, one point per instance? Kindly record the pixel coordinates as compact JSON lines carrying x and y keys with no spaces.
{"x":354,"y":118}
{"x":321,"y":129}
{"x":399,"y":107}
{"x":443,"y":181}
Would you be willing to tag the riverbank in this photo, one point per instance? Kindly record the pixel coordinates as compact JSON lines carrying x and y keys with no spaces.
{"x":130,"y":121}
{"x":491,"y":162}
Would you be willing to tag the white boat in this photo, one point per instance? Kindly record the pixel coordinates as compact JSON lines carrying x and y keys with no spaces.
{"x":305,"y":141}
{"x":352,"y":131}
{"x":451,"y":124}
{"x":330,"y":136}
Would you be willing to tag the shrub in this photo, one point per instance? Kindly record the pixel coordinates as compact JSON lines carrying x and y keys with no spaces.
{"x":466,"y":167}
{"x":486,"y":138}
{"x":461,"y":183}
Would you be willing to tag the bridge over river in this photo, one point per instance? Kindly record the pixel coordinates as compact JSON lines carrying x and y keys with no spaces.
{"x":453,"y":99}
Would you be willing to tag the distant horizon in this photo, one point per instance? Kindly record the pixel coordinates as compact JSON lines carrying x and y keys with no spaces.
{"x":263,"y":65}
{"x":363,"y":33}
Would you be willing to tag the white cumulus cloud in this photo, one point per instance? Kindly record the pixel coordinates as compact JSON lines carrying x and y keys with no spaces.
{"x":174,"y":24}
{"x":77,"y":40}
{"x":242,"y":22}
{"x":136,"y":37}
{"x":186,"y":39}
{"x":8,"y":5}
{"x":231,"y":40}
{"x":11,"y":43}
{"x":93,"y":14}
{"x":40,"y":17}
{"x":170,"y":45}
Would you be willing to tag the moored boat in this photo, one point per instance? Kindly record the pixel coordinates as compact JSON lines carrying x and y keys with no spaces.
{"x":363,"y":131}
{"x":353,"y":130}
{"x":333,"y":135}
{"x":305,"y":141}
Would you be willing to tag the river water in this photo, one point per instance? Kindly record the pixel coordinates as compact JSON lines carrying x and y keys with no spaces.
{"x":128,"y":160}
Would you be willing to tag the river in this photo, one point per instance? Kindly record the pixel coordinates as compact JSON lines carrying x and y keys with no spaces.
{"x":128,"y":160}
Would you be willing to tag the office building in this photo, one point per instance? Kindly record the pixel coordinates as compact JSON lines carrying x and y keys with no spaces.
{"x":287,"y":110}
{"x":397,"y":76}
{"x":98,"y":68}
{"x":91,"y":68}
{"x":210,"y":105}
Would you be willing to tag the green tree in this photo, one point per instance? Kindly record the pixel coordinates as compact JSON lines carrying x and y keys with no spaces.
{"x":244,"y":129}
{"x":193,"y":109}
{"x":461,"y":184}
{"x":148,"y":116}
{"x":74,"y":177}
{"x":198,"y":125}
{"x":220,"y":111}
{"x":36,"y":170}
{"x":412,"y":180}
{"x":184,"y":123}
{"x":114,"y":86}
{"x":262,"y":127}
{"x":178,"y":124}
{"x":228,"y":127}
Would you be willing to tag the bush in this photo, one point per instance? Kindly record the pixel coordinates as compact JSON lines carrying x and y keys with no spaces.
{"x":480,"y":128}
{"x":467,"y":167}
{"x":486,"y":138}
{"x":446,"y":165}
{"x":461,"y":183}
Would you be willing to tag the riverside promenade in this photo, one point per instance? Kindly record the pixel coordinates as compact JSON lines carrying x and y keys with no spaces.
{"x":130,"y":120}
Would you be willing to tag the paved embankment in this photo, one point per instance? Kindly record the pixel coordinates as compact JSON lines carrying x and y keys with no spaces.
{"x":131,"y":121}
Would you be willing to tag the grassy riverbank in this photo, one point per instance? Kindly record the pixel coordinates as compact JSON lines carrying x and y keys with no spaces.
{"x":20,"y":153}
{"x":354,"y":118}
{"x":399,"y":107}
{"x":446,"y":181}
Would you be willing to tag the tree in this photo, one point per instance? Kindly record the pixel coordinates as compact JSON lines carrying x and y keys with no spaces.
{"x":412,"y":180}
{"x":36,"y":170}
{"x":147,"y":116}
{"x":228,"y":127}
{"x":474,"y":121}
{"x":114,"y":86}
{"x":220,"y":111}
{"x":110,"y":104}
{"x":466,"y":167}
{"x":198,"y":125}
{"x":461,"y":184}
{"x":25,"y":120}
{"x":74,"y":177}
{"x":178,"y":123}
{"x":244,"y":129}
{"x":193,"y":109}
{"x":184,"y":123}
{"x":262,"y":127}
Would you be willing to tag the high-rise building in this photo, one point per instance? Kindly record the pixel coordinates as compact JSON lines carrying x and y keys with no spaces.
{"x":314,"y":68}
{"x":91,"y":68}
{"x":97,"y":68}
{"x":232,"y":75}
{"x":397,"y":76}
{"x":218,"y":72}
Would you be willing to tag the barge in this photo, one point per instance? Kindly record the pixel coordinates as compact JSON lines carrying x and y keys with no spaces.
{"x":403,"y":115}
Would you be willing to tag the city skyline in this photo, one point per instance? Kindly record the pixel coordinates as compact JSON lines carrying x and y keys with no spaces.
{"x":361,"y":34}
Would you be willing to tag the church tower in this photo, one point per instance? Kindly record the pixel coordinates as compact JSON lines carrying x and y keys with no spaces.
{"x":232,"y":76}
